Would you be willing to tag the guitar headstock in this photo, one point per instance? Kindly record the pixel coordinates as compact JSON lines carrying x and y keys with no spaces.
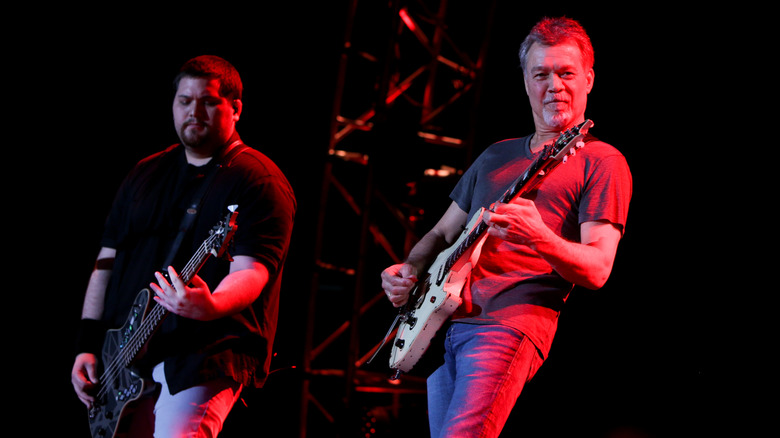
{"x":222,"y":233}
{"x":570,"y":139}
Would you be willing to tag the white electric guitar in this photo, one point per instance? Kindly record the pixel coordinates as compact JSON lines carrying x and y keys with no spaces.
{"x":436,"y":297}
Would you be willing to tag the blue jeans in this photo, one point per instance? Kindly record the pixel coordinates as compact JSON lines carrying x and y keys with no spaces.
{"x":485,"y":368}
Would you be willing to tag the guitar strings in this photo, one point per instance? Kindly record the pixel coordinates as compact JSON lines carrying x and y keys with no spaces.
{"x":565,"y":138}
{"x":156,"y":314}
{"x":521,"y":185}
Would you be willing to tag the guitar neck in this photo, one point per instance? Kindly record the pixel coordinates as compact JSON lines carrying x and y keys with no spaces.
{"x":532,"y":176}
{"x":158,"y":313}
{"x":197,"y":261}
{"x":521,"y":185}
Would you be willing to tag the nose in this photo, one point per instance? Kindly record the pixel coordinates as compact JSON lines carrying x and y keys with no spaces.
{"x":196,"y":109}
{"x":555,"y":84}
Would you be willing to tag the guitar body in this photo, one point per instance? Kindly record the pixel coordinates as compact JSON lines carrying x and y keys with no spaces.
{"x":109,"y":408}
{"x":120,"y":385}
{"x":433,"y":301}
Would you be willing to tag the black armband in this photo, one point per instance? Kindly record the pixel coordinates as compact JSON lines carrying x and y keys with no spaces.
{"x":105,"y":264}
{"x":89,"y":338}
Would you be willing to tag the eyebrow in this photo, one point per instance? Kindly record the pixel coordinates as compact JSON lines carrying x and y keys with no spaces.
{"x":204,"y":97}
{"x":559,"y":67}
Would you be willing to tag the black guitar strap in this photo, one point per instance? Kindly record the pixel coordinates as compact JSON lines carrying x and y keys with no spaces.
{"x":192,"y":211}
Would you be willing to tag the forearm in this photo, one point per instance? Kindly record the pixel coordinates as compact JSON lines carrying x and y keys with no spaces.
{"x":234,"y":293}
{"x":425,"y":251}
{"x":238,"y":290}
{"x":98,"y":283}
{"x":584,"y":264}
{"x":441,"y":236}
{"x":397,"y":280}
{"x":89,"y":338}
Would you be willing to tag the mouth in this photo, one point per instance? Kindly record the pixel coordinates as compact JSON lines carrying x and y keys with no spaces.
{"x":193,"y":122}
{"x":556,"y":105}
{"x":194,"y":125}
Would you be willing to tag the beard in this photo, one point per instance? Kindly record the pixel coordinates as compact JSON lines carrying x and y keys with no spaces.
{"x":191,"y":138}
{"x":557,"y":119}
{"x":195,"y":135}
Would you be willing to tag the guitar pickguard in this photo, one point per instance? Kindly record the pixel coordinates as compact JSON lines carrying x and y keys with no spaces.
{"x":435,"y":301}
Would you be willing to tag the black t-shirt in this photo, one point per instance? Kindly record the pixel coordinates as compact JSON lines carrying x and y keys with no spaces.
{"x":145,"y":220}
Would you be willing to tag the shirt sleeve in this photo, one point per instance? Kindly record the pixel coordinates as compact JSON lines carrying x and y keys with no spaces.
{"x":607,"y":192}
{"x":265,"y":221}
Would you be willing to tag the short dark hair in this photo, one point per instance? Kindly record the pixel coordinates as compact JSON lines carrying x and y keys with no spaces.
{"x":553,"y":31}
{"x":213,"y":67}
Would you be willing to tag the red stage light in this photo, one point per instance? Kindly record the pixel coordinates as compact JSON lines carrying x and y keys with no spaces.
{"x":407,"y":19}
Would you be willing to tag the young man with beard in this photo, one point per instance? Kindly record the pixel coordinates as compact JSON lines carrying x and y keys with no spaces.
{"x":219,"y":333}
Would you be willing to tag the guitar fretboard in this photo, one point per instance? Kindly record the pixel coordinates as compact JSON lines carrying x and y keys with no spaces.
{"x":153,"y":319}
{"x":526,"y":182}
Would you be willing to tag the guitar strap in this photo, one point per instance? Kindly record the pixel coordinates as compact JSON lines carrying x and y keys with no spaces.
{"x":192,"y":211}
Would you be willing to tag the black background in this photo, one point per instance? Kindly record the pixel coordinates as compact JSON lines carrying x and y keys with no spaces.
{"x":653,"y":352}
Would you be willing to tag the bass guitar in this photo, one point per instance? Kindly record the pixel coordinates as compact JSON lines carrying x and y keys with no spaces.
{"x":120,"y":385}
{"x":436,"y":297}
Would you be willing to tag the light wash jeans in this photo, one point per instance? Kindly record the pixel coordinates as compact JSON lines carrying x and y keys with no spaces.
{"x":485,"y":369}
{"x":195,"y":412}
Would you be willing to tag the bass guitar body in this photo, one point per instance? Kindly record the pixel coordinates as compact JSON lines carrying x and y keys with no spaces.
{"x":127,"y":386}
{"x":120,"y":385}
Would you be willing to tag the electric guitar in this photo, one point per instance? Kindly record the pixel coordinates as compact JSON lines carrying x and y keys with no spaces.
{"x":119,"y":384}
{"x":434,"y":299}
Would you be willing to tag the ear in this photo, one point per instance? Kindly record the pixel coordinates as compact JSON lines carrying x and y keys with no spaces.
{"x":237,"y":107}
{"x":591,"y":76}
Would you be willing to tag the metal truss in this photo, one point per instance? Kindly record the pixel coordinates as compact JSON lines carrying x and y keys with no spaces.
{"x":403,"y":109}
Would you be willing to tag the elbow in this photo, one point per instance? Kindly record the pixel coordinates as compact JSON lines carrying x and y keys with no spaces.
{"x":594,"y":284}
{"x":596,"y":278}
